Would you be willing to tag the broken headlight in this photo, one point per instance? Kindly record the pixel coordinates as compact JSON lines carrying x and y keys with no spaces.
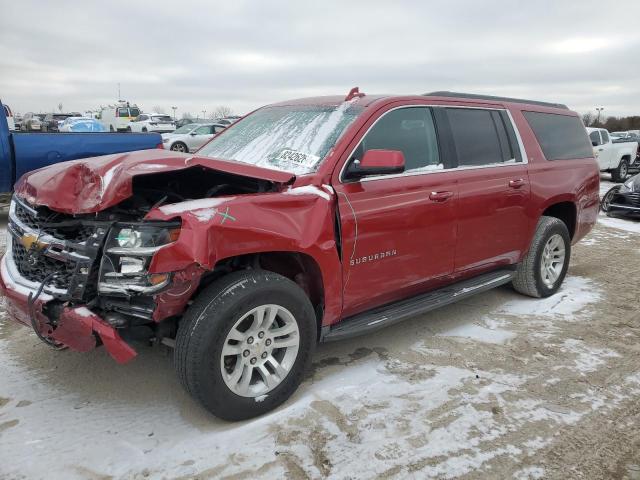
{"x":127,"y":255}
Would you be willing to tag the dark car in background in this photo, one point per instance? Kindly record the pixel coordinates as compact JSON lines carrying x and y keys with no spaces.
{"x":623,"y":200}
{"x":52,"y":121}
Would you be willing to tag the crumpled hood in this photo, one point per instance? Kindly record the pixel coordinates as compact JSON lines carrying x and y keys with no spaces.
{"x":94,"y":184}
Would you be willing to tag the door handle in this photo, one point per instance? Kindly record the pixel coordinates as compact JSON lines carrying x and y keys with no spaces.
{"x":517,"y":183}
{"x":440,"y":196}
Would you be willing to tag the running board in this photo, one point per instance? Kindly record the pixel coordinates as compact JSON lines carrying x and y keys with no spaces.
{"x":382,"y":317}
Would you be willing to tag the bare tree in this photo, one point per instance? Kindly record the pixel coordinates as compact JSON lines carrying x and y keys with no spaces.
{"x":588,"y":119}
{"x":60,"y":107}
{"x":187,"y":115}
{"x":158,"y":109}
{"x":221,"y":112}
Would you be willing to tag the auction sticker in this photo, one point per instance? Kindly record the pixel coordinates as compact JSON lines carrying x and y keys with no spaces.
{"x":299,"y":158}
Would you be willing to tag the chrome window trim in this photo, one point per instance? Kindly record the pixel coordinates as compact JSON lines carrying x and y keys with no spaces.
{"x":523,"y":153}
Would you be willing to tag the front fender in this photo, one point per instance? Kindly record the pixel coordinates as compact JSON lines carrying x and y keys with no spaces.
{"x":296,"y":220}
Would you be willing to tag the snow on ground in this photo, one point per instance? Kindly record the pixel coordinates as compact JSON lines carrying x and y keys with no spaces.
{"x":484,"y":387}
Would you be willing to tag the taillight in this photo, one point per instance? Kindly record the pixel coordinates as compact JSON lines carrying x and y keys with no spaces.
{"x":159,"y":146}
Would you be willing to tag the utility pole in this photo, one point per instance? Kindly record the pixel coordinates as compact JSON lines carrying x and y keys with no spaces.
{"x":174,"y":112}
{"x":204,"y":113}
{"x":119,"y":97}
{"x":599,"y":109}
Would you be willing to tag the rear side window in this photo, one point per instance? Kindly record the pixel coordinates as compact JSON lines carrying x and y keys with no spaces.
{"x":595,"y":138}
{"x":481,"y":137}
{"x":561,"y":137}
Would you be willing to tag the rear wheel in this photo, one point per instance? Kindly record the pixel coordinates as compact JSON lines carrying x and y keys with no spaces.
{"x":620,"y":173}
{"x":543,"y":269}
{"x":244,"y":344}
{"x":179,"y":147}
{"x":144,"y":129}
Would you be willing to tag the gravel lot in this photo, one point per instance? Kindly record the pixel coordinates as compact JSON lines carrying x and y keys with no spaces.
{"x":499,"y":386}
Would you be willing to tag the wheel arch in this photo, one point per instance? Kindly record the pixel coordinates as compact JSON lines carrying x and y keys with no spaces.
{"x":299,"y":267}
{"x":566,"y":211}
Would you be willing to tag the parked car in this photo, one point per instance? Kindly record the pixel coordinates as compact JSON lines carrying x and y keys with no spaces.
{"x":31,"y":123}
{"x":9,"y":115}
{"x":153,"y":122}
{"x":81,"y":124}
{"x":228,"y":120}
{"x":191,"y":137}
{"x":52,"y":121}
{"x":117,"y":118}
{"x":614,"y":158}
{"x":623,"y":200}
{"x":17,"y":119}
{"x":21,"y":153}
{"x":310,"y":220}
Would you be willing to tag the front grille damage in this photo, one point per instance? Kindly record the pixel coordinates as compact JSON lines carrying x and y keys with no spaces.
{"x":56,"y":249}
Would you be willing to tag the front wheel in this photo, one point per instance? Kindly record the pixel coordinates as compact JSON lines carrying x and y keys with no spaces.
{"x":179,"y":147}
{"x":620,"y":173}
{"x":244,"y":344}
{"x":543,"y":269}
{"x":606,"y":200}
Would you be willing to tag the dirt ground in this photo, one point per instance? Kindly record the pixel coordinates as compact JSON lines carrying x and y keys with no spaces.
{"x":498,"y":386}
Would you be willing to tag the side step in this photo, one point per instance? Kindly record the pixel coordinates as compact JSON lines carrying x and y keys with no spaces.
{"x":382,"y":317}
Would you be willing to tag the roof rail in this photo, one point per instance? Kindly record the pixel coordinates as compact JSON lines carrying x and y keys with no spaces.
{"x":490,"y":97}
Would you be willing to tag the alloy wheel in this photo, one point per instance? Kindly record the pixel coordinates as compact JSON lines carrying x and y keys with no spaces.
{"x":260,"y":350}
{"x":552,"y":262}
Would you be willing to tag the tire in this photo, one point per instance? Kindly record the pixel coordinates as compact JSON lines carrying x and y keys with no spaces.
{"x":606,"y":199}
{"x":144,"y":129}
{"x":620,"y":173}
{"x":128,"y":129}
{"x":179,"y":147}
{"x":529,"y":279}
{"x":204,"y":330}
{"x":111,"y":129}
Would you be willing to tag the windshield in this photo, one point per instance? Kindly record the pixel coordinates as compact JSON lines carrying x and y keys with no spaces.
{"x":291,"y":138}
{"x":161,"y":118}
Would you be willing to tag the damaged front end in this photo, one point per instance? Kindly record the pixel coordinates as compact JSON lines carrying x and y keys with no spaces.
{"x":108,"y":272}
{"x":60,"y":270}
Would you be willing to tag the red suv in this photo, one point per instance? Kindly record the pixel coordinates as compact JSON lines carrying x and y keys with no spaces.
{"x":306,"y":221}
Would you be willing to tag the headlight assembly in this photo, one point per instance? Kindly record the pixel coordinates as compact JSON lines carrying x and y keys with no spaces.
{"x":629,"y":186}
{"x":128,"y":252}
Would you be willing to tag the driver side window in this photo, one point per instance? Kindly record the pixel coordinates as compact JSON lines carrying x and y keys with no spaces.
{"x":205,"y":130}
{"x":410,"y":130}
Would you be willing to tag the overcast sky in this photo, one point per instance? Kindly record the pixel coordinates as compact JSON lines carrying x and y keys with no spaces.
{"x":198,"y":55}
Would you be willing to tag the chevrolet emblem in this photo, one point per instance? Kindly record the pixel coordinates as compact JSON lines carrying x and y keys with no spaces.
{"x":31,"y":242}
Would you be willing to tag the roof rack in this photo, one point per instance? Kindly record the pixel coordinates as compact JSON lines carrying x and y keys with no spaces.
{"x":490,"y":97}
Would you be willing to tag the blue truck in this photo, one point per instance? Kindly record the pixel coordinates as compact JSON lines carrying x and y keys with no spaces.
{"x":23,"y":152}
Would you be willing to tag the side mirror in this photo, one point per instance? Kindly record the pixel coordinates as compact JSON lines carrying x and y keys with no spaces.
{"x":376,"y":162}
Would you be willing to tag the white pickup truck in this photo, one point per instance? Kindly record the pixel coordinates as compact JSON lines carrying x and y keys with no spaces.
{"x":615,"y":158}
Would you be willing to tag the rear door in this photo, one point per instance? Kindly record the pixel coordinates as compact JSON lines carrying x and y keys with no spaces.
{"x":398,"y":231}
{"x":608,"y":150}
{"x":493,"y":187}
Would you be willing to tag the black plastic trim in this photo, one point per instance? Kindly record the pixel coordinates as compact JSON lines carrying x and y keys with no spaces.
{"x":393,"y":313}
